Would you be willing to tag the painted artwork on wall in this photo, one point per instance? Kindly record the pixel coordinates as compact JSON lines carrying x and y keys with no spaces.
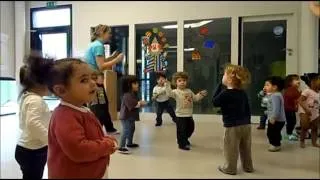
{"x":155,"y":47}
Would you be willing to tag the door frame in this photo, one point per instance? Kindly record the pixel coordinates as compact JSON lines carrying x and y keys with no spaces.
{"x":291,"y":38}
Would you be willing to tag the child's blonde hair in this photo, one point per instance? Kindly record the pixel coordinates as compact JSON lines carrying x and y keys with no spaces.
{"x":98,"y":31}
{"x":178,"y":75}
{"x":240,"y":76}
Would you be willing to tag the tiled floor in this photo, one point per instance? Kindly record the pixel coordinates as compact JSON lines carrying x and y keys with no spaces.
{"x":159,"y":157}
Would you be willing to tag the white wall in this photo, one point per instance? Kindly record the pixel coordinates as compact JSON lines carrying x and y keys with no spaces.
{"x":309,"y":40}
{"x":90,"y":13}
{"x":7,"y":67}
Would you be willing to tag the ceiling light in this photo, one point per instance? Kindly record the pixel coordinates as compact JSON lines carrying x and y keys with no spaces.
{"x":192,"y":25}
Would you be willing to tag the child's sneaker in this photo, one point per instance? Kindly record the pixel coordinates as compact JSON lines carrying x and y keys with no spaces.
{"x":186,"y":148}
{"x":274,"y":148}
{"x":124,"y":150}
{"x":116,"y":132}
{"x":132,"y":145}
{"x":293,"y":138}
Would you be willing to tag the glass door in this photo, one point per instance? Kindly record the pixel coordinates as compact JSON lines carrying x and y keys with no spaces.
{"x":267,"y":48}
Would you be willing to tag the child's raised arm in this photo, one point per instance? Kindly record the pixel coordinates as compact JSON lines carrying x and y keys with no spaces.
{"x":217,"y":95}
{"x":169,"y":91}
{"x":200,"y":95}
{"x":74,"y":143}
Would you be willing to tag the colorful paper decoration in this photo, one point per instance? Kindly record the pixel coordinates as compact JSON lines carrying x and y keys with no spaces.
{"x":195,"y":55}
{"x":209,"y":44}
{"x":204,"y":31}
{"x":155,"y":30}
{"x":155,"y":51}
{"x":160,"y":34}
{"x":148,"y":34}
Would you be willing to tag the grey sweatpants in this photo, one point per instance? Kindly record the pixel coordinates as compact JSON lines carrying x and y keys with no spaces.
{"x":237,"y":139}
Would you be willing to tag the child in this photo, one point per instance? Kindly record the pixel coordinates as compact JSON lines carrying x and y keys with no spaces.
{"x":264,"y":100}
{"x":162,"y":99}
{"x":100,"y":105}
{"x":184,"y":107}
{"x":276,"y":113}
{"x":77,"y":145}
{"x":34,"y":116}
{"x":291,"y":96}
{"x":236,"y":117}
{"x":309,"y":110}
{"x":129,"y":112}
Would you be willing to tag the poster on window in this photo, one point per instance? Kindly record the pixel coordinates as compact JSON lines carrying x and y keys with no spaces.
{"x":155,"y":49}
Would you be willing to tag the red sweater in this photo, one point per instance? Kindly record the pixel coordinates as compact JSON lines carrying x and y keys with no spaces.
{"x":77,"y":147}
{"x":291,"y":96}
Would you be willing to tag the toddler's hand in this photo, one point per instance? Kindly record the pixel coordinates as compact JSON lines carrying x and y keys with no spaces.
{"x":203,"y":93}
{"x":143,"y":103}
{"x":272,"y":121}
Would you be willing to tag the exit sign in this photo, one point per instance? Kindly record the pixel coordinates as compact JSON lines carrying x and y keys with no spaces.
{"x":51,"y":4}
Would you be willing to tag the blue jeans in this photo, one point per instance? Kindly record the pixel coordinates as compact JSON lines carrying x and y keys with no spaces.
{"x":128,"y":127}
{"x":263,"y":120}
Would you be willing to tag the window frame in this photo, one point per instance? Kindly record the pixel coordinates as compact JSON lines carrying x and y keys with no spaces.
{"x":54,"y":29}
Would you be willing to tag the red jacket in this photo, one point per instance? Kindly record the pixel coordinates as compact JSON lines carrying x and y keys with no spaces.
{"x":291,"y":96}
{"x":77,"y":147}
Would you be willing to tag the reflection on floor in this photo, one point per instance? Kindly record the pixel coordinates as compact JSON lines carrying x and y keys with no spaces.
{"x":159,"y":157}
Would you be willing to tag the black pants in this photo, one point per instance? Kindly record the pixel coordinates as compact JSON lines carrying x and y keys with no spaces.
{"x":102,"y":113}
{"x":274,"y":133}
{"x":291,"y":121}
{"x":161,"y":106}
{"x":185,"y":128}
{"x":31,"y":162}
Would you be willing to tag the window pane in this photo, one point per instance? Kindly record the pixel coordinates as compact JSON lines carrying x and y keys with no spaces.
{"x":264,"y":54}
{"x":54,"y":45}
{"x":151,"y":60}
{"x":58,"y":17}
{"x":207,"y":48}
{"x":9,"y":95}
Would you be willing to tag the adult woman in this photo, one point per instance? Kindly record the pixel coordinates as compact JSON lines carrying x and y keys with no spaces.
{"x":95,"y":54}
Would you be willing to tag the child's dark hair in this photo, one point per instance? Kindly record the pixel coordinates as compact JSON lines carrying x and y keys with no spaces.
{"x":288,"y":80}
{"x":34,"y":72}
{"x":160,"y":74}
{"x":178,"y":75}
{"x":98,"y":30}
{"x":276,"y":81}
{"x":62,"y":72}
{"x":127,"y":82}
{"x":308,"y":77}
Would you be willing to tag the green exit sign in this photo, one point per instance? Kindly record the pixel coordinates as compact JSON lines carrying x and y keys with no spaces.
{"x":51,"y":4}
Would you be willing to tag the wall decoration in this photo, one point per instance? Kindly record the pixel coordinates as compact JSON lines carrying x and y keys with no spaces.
{"x":196,"y":55}
{"x":204,"y":31}
{"x":278,"y":30}
{"x":155,"y":46}
{"x":209,"y":44}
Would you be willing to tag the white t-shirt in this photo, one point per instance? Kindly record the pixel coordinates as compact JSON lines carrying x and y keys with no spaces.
{"x":184,"y":101}
{"x":312,"y":103}
{"x":160,"y":93}
{"x":34,"y":117}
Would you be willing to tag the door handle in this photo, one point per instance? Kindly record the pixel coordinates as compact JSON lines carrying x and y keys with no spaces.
{"x":289,"y":50}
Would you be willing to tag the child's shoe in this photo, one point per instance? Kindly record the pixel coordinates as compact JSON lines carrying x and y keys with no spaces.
{"x":292,"y":138}
{"x":133,"y":145}
{"x":274,"y":148}
{"x":186,"y":148}
{"x":124,"y":150}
